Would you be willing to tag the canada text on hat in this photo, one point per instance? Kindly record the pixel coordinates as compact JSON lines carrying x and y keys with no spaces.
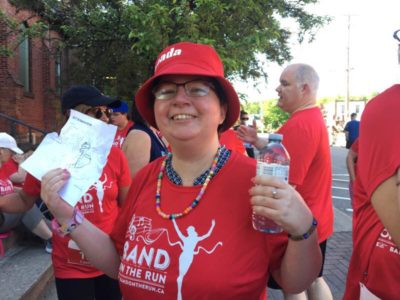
{"x":8,"y":142}
{"x":172,"y":52}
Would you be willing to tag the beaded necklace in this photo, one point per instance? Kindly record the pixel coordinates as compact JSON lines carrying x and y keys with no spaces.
{"x":195,"y":202}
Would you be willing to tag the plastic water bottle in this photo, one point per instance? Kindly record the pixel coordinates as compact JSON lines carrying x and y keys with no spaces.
{"x":273,"y":160}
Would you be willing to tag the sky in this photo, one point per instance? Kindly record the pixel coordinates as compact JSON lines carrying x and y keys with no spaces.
{"x":373,"y":58}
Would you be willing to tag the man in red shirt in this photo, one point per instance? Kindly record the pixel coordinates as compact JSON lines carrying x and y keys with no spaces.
{"x":306,"y":139}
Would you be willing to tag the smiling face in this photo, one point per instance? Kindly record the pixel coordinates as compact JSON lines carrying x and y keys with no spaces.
{"x":182,"y":117}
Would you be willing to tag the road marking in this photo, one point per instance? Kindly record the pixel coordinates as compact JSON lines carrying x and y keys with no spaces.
{"x":341,"y":198}
{"x":340,"y":174}
{"x":340,"y":188}
{"x":349,"y":209}
{"x":340,"y":180}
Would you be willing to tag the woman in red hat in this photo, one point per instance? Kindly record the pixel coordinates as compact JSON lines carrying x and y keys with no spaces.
{"x":185,"y":231}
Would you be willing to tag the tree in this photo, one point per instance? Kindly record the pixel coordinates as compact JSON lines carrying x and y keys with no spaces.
{"x":271,"y":115}
{"x":274,"y":117}
{"x":253,"y":108}
{"x":15,"y":33}
{"x":117,"y":41}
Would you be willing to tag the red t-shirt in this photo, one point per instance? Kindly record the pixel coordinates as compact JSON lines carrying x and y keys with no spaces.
{"x":230,"y":140}
{"x":211,"y":253}
{"x":6,"y":186}
{"x":354,"y":148}
{"x":375,"y":260}
{"x":99,"y":205}
{"x":305,"y":137}
{"x":10,"y":167}
{"x":120,"y":135}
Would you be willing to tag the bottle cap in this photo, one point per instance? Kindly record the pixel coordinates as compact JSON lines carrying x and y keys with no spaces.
{"x":276,"y":137}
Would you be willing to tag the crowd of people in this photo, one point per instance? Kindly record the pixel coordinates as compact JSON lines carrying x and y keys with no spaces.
{"x":171,"y":215}
{"x":12,"y":176}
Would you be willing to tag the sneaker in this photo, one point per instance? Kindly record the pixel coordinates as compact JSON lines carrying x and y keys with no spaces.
{"x":49,"y":246}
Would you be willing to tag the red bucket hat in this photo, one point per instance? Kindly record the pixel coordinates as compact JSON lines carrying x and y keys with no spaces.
{"x":188,"y":59}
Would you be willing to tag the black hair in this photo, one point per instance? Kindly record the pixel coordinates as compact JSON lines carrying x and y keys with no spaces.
{"x":243,"y":112}
{"x":222,"y":99}
{"x":219,"y":91}
{"x":136,"y":117}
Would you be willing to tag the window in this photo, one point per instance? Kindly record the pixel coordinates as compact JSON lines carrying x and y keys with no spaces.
{"x":24,"y":50}
{"x":58,"y":72}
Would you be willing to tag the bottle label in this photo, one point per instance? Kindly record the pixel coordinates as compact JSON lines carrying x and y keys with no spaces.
{"x":280,"y":171}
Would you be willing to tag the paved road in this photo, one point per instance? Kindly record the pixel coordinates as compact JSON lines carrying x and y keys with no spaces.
{"x":339,"y":245}
{"x":340,"y":181}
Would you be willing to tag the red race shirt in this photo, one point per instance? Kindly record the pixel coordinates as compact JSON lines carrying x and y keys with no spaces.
{"x":230,"y":140}
{"x":120,"y":135}
{"x":9,"y":168}
{"x":211,"y":253}
{"x":99,"y":205}
{"x":375,"y":261}
{"x":354,"y":148}
{"x":6,"y":186}
{"x":305,"y":137}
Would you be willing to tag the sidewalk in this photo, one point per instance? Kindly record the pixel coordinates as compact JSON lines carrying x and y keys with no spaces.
{"x":338,"y":254}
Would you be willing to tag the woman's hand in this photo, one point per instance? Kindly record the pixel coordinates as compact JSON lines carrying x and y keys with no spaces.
{"x":52,"y":182}
{"x":277,"y":200}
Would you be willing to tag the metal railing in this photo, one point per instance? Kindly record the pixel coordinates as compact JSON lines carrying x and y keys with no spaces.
{"x":13,"y":122}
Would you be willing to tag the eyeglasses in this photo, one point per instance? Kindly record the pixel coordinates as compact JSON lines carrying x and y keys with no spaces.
{"x":98,"y":112}
{"x":194,"y":88}
{"x":244,"y":119}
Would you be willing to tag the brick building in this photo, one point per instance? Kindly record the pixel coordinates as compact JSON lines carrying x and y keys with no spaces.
{"x":29,"y":78}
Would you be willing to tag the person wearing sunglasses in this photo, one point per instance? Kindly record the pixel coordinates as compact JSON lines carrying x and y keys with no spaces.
{"x":185,"y":231}
{"x":75,"y":276}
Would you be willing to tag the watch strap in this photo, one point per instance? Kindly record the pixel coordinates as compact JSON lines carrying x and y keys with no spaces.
{"x":67,"y":228}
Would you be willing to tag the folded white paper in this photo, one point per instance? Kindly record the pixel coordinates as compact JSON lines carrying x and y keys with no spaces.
{"x":82,"y":148}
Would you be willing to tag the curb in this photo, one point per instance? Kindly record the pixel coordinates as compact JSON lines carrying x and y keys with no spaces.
{"x":28,"y":270}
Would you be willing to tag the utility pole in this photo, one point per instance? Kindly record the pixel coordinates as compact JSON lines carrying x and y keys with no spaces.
{"x":347,"y":100}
